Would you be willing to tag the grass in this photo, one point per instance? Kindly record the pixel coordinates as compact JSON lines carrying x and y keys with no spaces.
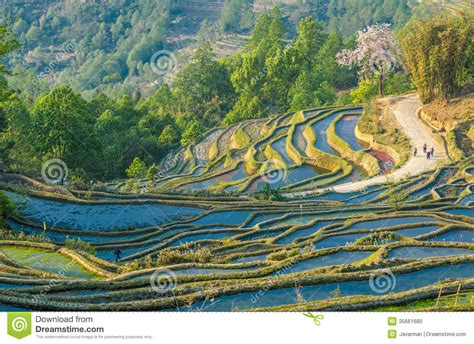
{"x":465,"y":299}
{"x":377,"y":122}
{"x":240,"y":139}
{"x":366,"y":161}
{"x":446,"y":113}
{"x":51,"y":262}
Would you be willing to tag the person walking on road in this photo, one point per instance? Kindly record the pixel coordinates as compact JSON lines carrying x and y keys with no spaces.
{"x":432,"y":151}
{"x":415,"y":151}
{"x":428,"y":155}
{"x":424,"y":148}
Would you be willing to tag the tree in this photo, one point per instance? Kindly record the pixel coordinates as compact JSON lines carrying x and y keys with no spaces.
{"x":396,"y":195}
{"x":7,"y":140}
{"x":377,"y":53}
{"x":7,"y":208}
{"x":234,"y":15}
{"x":63,"y":128}
{"x":7,"y":45}
{"x":137,"y":169}
{"x":251,"y":78}
{"x":168,"y":136}
{"x":203,"y":79}
{"x":193,"y":133}
{"x":437,"y":55}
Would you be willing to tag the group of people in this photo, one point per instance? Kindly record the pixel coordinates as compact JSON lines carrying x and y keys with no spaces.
{"x":429,"y":153}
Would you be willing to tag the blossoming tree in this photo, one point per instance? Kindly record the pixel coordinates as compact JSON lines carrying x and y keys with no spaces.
{"x":377,"y":53}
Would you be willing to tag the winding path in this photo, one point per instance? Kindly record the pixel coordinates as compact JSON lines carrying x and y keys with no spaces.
{"x":404,"y":109}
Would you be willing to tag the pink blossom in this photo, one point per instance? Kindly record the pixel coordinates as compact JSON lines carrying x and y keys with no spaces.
{"x":377,"y":52}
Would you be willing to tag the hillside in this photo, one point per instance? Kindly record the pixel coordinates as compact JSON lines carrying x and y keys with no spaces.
{"x":235,"y":156}
{"x":64,"y":42}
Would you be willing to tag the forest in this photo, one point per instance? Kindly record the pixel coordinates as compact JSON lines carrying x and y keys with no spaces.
{"x":98,"y":131}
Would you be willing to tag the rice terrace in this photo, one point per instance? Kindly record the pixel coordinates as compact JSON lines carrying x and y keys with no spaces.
{"x":328,"y":185}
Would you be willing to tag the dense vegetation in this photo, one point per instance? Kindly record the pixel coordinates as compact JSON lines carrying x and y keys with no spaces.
{"x":107,"y":45}
{"x":439,"y":55}
{"x":99,"y":134}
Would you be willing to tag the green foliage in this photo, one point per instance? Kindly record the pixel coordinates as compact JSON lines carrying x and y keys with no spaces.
{"x":193,"y":133}
{"x":236,"y":16}
{"x":396,"y":196}
{"x":7,"y":45}
{"x":8,"y":234}
{"x":438,"y":54}
{"x":7,"y":208}
{"x":366,"y":90}
{"x":378,"y":238}
{"x":89,"y":45}
{"x":78,"y":244}
{"x":184,"y":255}
{"x":268,"y":193}
{"x":369,"y":122}
{"x":283,"y":68}
{"x":151,"y":172}
{"x":277,"y":77}
{"x":168,"y":136}
{"x":204,"y":87}
{"x":137,"y":169}
{"x":395,"y":83}
{"x":63,"y":127}
{"x":282,"y":255}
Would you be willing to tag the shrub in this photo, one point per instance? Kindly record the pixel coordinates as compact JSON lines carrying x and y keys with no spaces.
{"x":184,"y":255}
{"x":8,"y":234}
{"x":78,"y":244}
{"x":7,"y":208}
{"x":284,"y":254}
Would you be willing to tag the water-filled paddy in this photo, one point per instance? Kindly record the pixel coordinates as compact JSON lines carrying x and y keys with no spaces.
{"x":441,"y":178}
{"x":224,"y":217}
{"x":390,"y":222}
{"x":298,"y":139}
{"x":354,"y":176}
{"x":288,"y":296}
{"x":237,"y":173}
{"x":60,"y":237}
{"x":287,"y":177}
{"x":341,"y":240}
{"x":425,"y":252}
{"x":280,"y":147}
{"x":456,"y":236}
{"x":450,"y":190}
{"x":345,"y":129}
{"x":261,"y":234}
{"x":413,"y":232}
{"x":339,"y":258}
{"x":304,"y":232}
{"x":46,"y":261}
{"x":250,"y":258}
{"x":99,"y":216}
{"x":366,"y":197}
{"x":320,"y":128}
{"x":467,"y":200}
{"x":460,"y":212}
{"x":207,"y":236}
